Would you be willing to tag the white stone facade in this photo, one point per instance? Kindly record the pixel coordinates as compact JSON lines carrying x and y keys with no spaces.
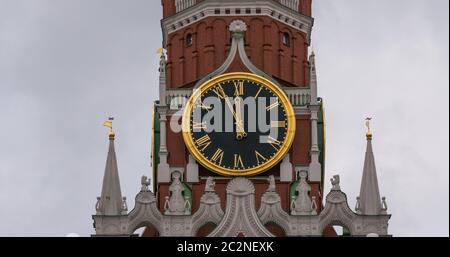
{"x":240,"y":216}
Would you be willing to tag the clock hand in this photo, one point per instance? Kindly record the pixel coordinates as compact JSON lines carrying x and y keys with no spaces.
{"x":241,"y":134}
{"x":230,"y":106}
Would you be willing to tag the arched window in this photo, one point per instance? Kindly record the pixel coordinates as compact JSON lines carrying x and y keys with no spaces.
{"x":286,"y":39}
{"x":189,"y":40}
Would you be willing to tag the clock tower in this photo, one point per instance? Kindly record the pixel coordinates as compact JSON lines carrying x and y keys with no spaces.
{"x":238,"y":135}
{"x":267,"y":39}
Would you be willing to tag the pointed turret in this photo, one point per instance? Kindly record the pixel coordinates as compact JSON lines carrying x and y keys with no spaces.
{"x":315,"y":167}
{"x":111,"y":202}
{"x":369,"y":198}
{"x":313,"y":77}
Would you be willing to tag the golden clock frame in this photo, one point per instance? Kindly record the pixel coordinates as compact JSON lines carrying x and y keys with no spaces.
{"x":190,"y":144}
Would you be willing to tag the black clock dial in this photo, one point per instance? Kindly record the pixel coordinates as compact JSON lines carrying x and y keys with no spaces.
{"x":239,"y":126}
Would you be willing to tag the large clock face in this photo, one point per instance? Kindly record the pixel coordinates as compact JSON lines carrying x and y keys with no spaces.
{"x":238,"y":124}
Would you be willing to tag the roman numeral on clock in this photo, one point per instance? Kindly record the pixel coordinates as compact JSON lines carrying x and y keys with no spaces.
{"x":218,"y":156}
{"x":274,"y":143}
{"x":278,"y":124}
{"x":273,"y":106}
{"x":197,"y":125}
{"x":204,"y":107}
{"x":260,"y":158}
{"x":220,"y":92}
{"x":204,"y":142}
{"x":239,"y":88}
{"x":259,"y":92}
{"x":238,"y":163}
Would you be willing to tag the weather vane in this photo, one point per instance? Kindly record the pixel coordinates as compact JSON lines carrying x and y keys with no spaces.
{"x":369,"y":130}
{"x":109,"y":124}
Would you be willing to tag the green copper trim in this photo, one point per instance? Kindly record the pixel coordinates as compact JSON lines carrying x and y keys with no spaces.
{"x":321,"y":126}
{"x":155,"y":145}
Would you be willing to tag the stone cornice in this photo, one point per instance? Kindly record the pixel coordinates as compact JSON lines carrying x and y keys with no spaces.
{"x":208,"y":8}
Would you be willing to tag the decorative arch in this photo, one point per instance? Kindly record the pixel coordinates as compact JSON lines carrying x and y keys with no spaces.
{"x":189,"y":30}
{"x":275,"y":42}
{"x":206,"y":229}
{"x":256,"y":41}
{"x":271,"y":211}
{"x":240,"y":216}
{"x":220,"y":31}
{"x":148,"y":227}
{"x":210,"y":212}
{"x":174,"y":50}
{"x":337,"y":212}
{"x":275,"y":229}
{"x":189,"y":33}
{"x":145,"y":213}
{"x":201,"y":42}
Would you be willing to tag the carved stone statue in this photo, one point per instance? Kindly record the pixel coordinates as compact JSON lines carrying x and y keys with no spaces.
{"x":166,"y":204}
{"x":210,"y":184}
{"x":272,"y":184}
{"x":314,"y":206}
{"x":98,"y":206}
{"x":187,"y":206}
{"x":335,"y":182}
{"x":302,"y":205}
{"x":177,"y":203}
{"x":124,"y":206}
{"x":384,"y":206}
{"x":145,"y":182}
{"x":358,"y":205}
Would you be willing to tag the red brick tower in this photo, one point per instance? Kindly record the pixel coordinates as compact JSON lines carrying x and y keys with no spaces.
{"x":198,"y":42}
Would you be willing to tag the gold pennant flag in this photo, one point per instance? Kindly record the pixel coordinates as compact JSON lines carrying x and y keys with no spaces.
{"x":108,"y":124}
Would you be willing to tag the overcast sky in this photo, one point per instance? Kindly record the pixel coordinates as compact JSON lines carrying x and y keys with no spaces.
{"x":66,"y":65}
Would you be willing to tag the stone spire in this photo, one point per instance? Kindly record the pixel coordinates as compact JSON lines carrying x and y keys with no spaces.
{"x":162,"y":76}
{"x":111,"y":202}
{"x":315,"y":167}
{"x":369,"y":200}
{"x":313,"y":77}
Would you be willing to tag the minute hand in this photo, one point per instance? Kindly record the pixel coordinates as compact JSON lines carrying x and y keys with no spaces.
{"x":230,"y":106}
{"x":239,"y":123}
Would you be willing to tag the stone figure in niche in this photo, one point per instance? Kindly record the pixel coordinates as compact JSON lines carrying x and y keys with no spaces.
{"x":187,"y":206}
{"x":166,"y":204}
{"x":302,"y":205}
{"x":176,"y":203}
{"x":210,"y":184}
{"x":272,"y":184}
{"x":314,"y":206}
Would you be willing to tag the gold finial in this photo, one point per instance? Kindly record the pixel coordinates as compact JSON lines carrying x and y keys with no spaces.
{"x":109,"y":124}
{"x":160,"y":51}
{"x":369,"y":134}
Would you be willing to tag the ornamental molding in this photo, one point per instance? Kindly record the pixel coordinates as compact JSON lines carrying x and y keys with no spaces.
{"x":216,"y":8}
{"x":240,"y":216}
{"x":238,"y":26}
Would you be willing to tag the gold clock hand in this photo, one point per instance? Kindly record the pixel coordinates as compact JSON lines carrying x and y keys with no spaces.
{"x":230,"y":106}
{"x":241,"y":134}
